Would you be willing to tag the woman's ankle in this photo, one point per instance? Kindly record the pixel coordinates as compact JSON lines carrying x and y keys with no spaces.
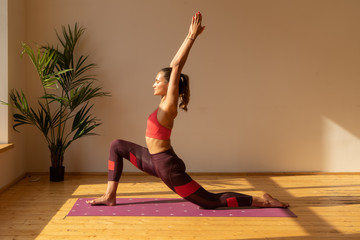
{"x":259,"y":202}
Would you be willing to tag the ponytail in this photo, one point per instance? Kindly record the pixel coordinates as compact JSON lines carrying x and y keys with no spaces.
{"x":184,"y":87}
{"x":184,"y":92}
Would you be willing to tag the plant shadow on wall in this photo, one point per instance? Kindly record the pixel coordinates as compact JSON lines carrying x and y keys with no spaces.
{"x":63,"y":114}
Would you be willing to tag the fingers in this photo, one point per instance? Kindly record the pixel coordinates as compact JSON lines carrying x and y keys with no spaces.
{"x":197,"y":18}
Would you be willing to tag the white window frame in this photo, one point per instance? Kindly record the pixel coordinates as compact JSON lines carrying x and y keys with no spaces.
{"x":4,"y":131}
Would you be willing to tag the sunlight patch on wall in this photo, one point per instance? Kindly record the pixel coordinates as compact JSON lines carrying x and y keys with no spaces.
{"x":341,"y":148}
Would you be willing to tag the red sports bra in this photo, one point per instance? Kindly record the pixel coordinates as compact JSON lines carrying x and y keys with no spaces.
{"x":155,"y":130}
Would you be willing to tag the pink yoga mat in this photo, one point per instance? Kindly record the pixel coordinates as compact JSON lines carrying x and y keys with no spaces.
{"x":168,"y":207}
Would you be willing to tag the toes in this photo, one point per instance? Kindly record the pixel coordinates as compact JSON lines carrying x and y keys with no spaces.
{"x":275,"y":202}
{"x":95,"y":201}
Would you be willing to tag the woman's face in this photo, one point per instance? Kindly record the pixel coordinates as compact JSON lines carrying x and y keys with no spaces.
{"x":161,"y":85}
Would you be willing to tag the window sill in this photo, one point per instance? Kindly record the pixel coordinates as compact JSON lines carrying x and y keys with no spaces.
{"x":5,"y":147}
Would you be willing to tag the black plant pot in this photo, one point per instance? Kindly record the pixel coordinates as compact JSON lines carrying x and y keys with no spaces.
{"x":57,"y":174}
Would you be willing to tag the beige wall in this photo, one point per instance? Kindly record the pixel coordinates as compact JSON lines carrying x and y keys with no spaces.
{"x":13,"y":162}
{"x":275,"y":84}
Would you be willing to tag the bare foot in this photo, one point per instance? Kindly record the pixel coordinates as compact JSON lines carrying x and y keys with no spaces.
{"x":103,"y":200}
{"x":267,"y":201}
{"x":273,"y":202}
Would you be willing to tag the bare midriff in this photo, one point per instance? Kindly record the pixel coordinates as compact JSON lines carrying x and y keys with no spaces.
{"x":157,"y":145}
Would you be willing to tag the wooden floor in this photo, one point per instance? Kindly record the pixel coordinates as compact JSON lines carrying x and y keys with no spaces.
{"x":327,"y":206}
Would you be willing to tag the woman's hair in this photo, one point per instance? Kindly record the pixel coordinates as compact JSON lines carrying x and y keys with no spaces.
{"x":184,"y":87}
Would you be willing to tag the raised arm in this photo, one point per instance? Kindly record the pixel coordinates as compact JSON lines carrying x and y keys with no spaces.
{"x":194,"y":31}
{"x":179,"y":60}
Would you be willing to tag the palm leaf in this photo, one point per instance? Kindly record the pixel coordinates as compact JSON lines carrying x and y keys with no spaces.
{"x":80,"y":117}
{"x":83,"y":123}
{"x":45,"y":63}
{"x":20,"y":102}
{"x":42,"y":119}
{"x":20,"y":120}
{"x":56,"y":98}
{"x":83,"y":94}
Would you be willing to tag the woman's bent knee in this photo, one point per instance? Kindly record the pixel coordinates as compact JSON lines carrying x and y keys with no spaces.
{"x":118,"y":144}
{"x":118,"y":148}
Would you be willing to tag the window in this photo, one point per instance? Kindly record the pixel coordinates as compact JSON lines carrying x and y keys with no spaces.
{"x":3,"y":70}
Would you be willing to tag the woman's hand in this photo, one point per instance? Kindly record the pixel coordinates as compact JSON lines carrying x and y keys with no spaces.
{"x":195,"y":27}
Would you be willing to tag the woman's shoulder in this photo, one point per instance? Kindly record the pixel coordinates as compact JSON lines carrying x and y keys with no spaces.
{"x":168,"y":109}
{"x":166,"y":116}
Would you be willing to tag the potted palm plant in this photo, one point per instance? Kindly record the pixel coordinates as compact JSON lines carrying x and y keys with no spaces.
{"x":63,"y":111}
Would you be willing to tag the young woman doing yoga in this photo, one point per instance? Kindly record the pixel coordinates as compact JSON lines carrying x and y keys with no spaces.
{"x":159,"y":158}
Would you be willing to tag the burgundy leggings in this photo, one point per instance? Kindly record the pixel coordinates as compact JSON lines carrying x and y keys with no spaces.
{"x":171,"y":169}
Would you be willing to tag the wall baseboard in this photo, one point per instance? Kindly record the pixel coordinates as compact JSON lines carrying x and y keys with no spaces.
{"x":16,"y":180}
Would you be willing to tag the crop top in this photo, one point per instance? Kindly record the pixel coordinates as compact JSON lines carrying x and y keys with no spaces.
{"x":155,"y":130}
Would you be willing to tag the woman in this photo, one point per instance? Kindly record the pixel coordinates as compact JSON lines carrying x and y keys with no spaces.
{"x":159,"y":158}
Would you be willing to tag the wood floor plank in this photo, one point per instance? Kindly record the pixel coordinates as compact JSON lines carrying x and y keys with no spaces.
{"x":328,"y":207}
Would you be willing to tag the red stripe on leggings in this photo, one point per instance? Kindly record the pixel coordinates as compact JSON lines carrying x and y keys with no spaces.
{"x":187,"y":189}
{"x":133,"y":160}
{"x":232,"y":202}
{"x":111,"y":165}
